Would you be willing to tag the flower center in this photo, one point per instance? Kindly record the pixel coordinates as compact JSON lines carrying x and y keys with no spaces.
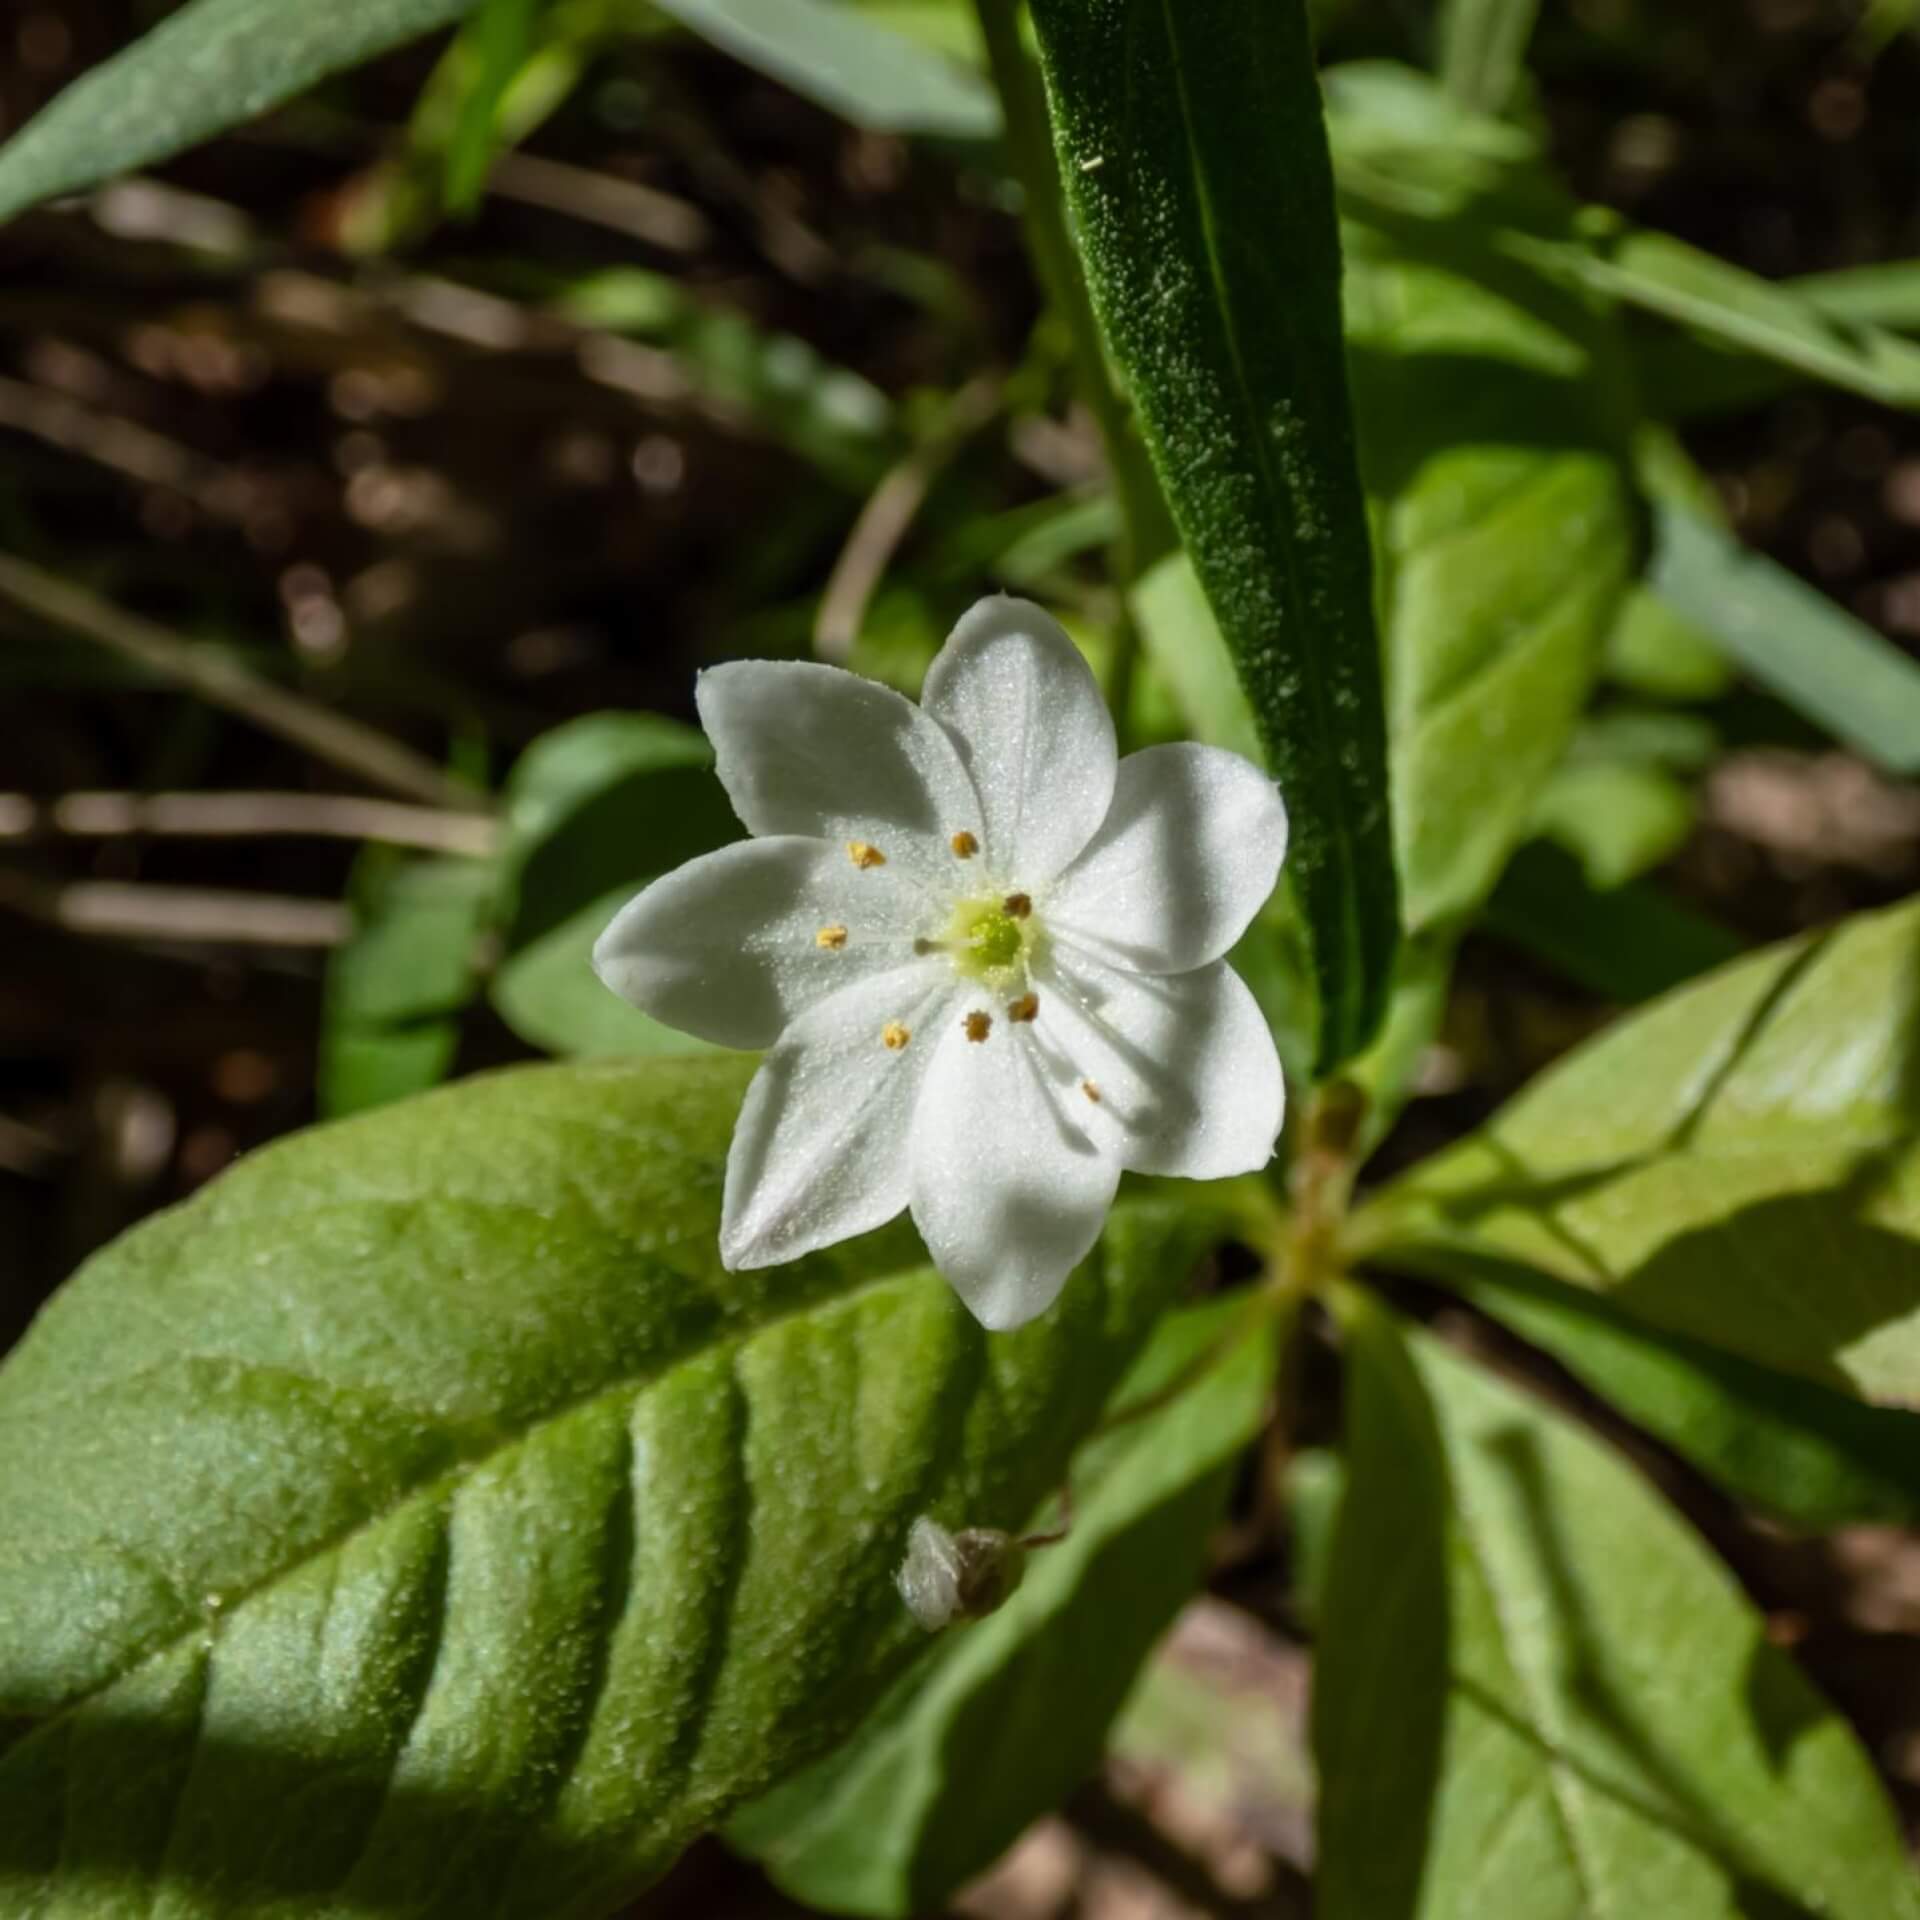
{"x":992,"y":939}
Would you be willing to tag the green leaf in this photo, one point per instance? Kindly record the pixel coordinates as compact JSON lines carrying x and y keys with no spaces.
{"x":420,"y":1519}
{"x":1495,"y":458}
{"x":1628,"y":944}
{"x":1621,"y":1737}
{"x":549,"y":994}
{"x":1194,"y":157}
{"x":595,"y":809}
{"x":1739,"y":1163}
{"x":497,"y":45}
{"x":396,"y":990}
{"x":852,"y":66}
{"x":1618,"y":818}
{"x":1815,"y":655}
{"x":1652,"y":650}
{"x":1008,"y":1716}
{"x":1182,"y":640}
{"x":1731,"y":307}
{"x":1809,"y":1457}
{"x":210,"y":66}
{"x":1483,"y":50}
{"x":1380,"y":1674}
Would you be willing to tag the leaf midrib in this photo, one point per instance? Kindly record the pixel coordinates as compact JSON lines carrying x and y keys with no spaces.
{"x":458,"y":1470}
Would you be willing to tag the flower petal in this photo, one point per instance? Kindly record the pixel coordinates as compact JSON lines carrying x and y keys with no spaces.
{"x":820,"y":1149}
{"x":1177,"y":1072}
{"x":733,"y":945}
{"x":1187,"y":855}
{"x":1033,"y":730}
{"x":1009,"y":1188}
{"x":807,"y":749}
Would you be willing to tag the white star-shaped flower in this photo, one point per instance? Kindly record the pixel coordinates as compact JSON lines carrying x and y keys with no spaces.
{"x":983,"y":952}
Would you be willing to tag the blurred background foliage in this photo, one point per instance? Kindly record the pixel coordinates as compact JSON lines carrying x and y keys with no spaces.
{"x":375,"y":478}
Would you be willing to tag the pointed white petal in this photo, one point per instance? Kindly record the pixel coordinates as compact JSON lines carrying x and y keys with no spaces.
{"x":820,"y":1149}
{"x":733,"y":945}
{"x":1009,"y":1188}
{"x":1185,"y":858}
{"x":1034,"y":731}
{"x":1177,"y":1072}
{"x":807,"y":749}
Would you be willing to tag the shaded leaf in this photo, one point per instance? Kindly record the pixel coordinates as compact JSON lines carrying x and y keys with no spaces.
{"x":421,"y":1520}
{"x":1482,"y":46}
{"x":1380,"y":1681}
{"x":1810,"y":1457}
{"x":1621,"y":1737}
{"x":1739,"y":1163}
{"x":1628,"y":944}
{"x":1619,"y":818}
{"x":395,"y":991}
{"x":595,"y":809}
{"x":210,"y":66}
{"x":1194,"y":157}
{"x":1010,"y":1715}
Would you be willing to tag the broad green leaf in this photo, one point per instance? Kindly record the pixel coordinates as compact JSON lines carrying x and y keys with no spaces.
{"x":395,"y":991}
{"x":1618,"y":818}
{"x":1628,"y":944}
{"x":1493,"y":447}
{"x":595,"y":809}
{"x":1194,"y":158}
{"x":1815,"y":655}
{"x":1482,"y":46}
{"x":1008,"y":1716}
{"x":1739,"y":1163}
{"x":210,"y":66}
{"x":853,"y":66}
{"x":1380,"y":1673}
{"x":1808,"y":1456}
{"x":1621,"y":1738}
{"x":421,"y":1520}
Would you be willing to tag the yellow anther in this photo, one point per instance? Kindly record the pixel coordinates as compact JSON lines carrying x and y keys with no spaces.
{"x":978,"y":1025}
{"x":864,"y":854}
{"x":964,"y":845}
{"x":1091,"y":1091}
{"x":832,"y":938}
{"x":893,"y":1036}
{"x":1025,"y":1008}
{"x":1017,"y":904}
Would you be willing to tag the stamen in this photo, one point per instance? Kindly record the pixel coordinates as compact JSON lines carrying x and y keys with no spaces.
{"x":1017,"y":904}
{"x":978,"y":1025}
{"x":924,"y":947}
{"x":864,"y":854}
{"x":1025,"y":1008}
{"x":964,"y":845}
{"x":831,"y":938}
{"x":893,"y":1036}
{"x":1091,"y":1091}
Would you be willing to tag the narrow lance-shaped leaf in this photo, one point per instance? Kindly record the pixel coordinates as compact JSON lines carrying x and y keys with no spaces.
{"x":210,"y":66}
{"x":1815,"y":655}
{"x":1739,"y":1164}
{"x":422,"y":1521}
{"x":1195,"y":161}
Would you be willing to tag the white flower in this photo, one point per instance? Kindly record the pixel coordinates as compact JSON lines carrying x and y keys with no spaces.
{"x":984,"y":954}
